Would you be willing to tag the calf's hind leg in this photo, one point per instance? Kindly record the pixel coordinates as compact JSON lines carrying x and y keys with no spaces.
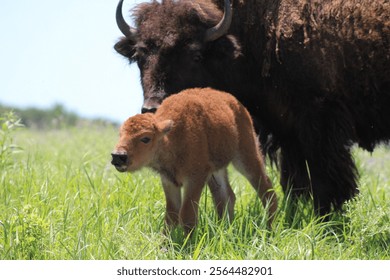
{"x":223,"y":195}
{"x":250,"y":163}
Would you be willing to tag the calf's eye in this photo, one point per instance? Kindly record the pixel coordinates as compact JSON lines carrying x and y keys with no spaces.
{"x":145,"y":140}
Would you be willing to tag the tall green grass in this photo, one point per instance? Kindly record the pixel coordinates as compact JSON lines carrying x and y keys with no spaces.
{"x":61,"y":199}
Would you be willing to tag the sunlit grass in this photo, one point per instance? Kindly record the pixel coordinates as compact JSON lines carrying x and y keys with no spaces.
{"x":61,"y":199}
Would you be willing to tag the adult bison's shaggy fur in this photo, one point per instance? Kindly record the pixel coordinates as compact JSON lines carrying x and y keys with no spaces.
{"x":314,"y":74}
{"x":191,"y":139}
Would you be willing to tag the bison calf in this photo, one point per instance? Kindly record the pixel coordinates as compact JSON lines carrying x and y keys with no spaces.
{"x":191,"y":140}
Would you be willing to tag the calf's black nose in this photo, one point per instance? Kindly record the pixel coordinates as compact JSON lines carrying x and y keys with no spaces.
{"x":118,"y":159}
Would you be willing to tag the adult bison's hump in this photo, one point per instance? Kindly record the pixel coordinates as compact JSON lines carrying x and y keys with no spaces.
{"x":338,"y":47}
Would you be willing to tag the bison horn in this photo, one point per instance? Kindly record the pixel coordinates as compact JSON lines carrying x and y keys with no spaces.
{"x":127,"y":30}
{"x":222,"y":27}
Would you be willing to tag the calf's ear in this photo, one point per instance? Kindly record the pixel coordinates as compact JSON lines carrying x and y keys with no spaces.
{"x":165,"y":126}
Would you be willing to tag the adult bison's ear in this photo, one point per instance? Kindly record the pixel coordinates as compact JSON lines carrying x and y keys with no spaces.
{"x":165,"y":126}
{"x":226,"y":47}
{"x":125,"y":47}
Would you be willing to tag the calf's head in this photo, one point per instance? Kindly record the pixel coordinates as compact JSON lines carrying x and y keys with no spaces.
{"x":178,"y":45}
{"x":139,"y":138}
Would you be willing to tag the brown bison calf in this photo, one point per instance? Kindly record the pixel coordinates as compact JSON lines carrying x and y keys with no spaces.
{"x":191,"y":140}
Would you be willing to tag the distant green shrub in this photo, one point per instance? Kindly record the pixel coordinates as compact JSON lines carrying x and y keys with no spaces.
{"x":9,"y":123}
{"x":56,"y":117}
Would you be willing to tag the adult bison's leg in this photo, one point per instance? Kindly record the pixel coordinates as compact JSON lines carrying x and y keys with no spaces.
{"x":333,"y":176}
{"x":293,"y":177}
{"x":325,"y":171}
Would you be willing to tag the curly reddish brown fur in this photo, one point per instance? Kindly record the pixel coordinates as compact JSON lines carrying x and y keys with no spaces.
{"x":191,"y":140}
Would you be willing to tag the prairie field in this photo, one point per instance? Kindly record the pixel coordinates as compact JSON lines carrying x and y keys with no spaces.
{"x":60,"y":199}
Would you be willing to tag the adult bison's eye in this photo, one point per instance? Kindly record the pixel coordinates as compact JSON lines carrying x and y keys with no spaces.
{"x":197,"y":57}
{"x":145,"y":140}
{"x":141,"y":53}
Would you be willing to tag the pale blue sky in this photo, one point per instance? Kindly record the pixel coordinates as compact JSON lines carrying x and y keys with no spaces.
{"x":54,"y":51}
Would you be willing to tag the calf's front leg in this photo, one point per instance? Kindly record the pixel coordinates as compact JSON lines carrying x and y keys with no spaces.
{"x":189,"y":209}
{"x":173,"y":203}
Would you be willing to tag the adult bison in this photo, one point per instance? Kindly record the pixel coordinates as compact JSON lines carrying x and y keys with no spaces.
{"x":314,"y":74}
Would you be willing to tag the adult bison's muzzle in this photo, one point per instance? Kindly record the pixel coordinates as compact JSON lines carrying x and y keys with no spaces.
{"x":120,"y":161}
{"x":148,"y":110}
{"x":152,"y":103}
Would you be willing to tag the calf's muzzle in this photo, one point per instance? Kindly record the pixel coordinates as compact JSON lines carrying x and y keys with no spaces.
{"x":119,"y":160}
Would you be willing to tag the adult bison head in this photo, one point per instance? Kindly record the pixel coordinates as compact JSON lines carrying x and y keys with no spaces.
{"x":178,"y":45}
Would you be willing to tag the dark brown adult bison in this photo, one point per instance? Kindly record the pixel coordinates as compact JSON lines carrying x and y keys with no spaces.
{"x":314,"y":74}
